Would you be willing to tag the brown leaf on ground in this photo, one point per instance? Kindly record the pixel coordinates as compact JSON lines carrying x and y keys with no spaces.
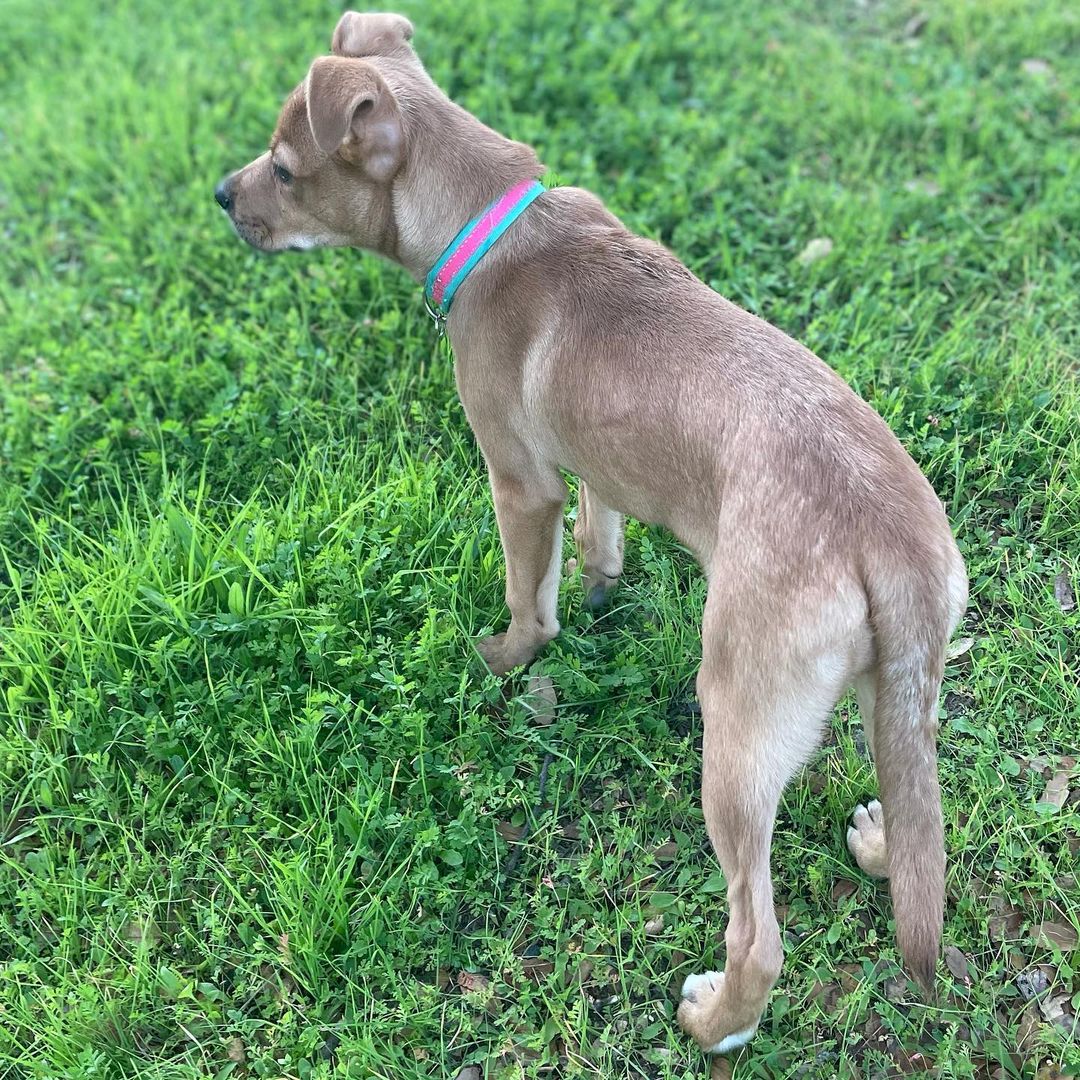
{"x":655,"y":927}
{"x":469,"y":982}
{"x":666,"y":852}
{"x":236,"y":1051}
{"x":510,"y":833}
{"x":1063,"y":592}
{"x":1056,"y":792}
{"x":910,"y":1061}
{"x":1005,"y":922}
{"x":283,"y":950}
{"x":843,"y":889}
{"x":537,"y":968}
{"x":826,"y":994}
{"x":584,"y":971}
{"x":958,"y":964}
{"x":1056,"y":935}
{"x":540,"y":700}
{"x":1027,"y":1031}
{"x":874,"y":1028}
{"x":1052,"y":1007}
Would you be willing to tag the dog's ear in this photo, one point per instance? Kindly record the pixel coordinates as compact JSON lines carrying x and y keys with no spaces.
{"x":371,"y":34}
{"x":352,"y":112}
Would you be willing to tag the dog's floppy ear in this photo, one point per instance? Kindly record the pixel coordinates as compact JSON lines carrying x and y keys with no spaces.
{"x":371,"y":34}
{"x":352,"y":111}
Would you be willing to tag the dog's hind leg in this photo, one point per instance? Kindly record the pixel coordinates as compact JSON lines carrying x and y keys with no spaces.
{"x":529,"y":509}
{"x":766,"y":697}
{"x":598,"y":532}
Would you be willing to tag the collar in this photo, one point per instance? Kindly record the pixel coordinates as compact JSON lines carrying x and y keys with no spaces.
{"x":472,"y":244}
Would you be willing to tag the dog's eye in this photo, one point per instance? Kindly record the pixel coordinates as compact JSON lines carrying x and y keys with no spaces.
{"x":283,"y":175}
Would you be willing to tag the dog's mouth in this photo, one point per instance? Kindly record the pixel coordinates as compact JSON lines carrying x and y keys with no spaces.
{"x":254,"y":233}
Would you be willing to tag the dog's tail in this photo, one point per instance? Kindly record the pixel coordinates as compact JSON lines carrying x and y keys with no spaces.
{"x":913,"y":615}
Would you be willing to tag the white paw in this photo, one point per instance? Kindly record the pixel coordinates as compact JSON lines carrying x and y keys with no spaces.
{"x":733,"y":1041}
{"x":866,"y":839}
{"x":711,"y":980}
{"x":699,"y":986}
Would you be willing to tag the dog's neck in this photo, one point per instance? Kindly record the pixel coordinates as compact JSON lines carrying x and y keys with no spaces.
{"x":453,"y":172}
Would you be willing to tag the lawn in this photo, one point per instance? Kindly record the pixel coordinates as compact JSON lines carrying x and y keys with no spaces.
{"x":263,"y":813}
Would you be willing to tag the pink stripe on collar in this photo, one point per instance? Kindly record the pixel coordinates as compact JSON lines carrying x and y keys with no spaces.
{"x":480,"y":231}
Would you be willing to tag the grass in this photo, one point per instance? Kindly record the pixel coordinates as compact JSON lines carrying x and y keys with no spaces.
{"x":257,"y":796}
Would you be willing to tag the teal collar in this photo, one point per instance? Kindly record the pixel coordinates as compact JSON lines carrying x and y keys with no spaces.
{"x":472,"y":244}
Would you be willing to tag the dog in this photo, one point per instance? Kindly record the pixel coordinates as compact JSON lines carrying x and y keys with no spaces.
{"x":579,"y":346}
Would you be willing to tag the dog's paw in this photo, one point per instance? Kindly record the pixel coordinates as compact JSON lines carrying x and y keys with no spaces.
{"x":698,"y":1005}
{"x":866,"y":840}
{"x":596,"y":585}
{"x":701,"y":983}
{"x":500,"y":655}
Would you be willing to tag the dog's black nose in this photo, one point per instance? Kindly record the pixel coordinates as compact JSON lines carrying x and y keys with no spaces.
{"x":223,"y":195}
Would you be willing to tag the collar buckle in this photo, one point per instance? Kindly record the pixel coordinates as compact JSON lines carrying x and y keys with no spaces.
{"x":437,"y":317}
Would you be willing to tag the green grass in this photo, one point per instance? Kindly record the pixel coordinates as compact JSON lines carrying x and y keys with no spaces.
{"x":254,"y":783}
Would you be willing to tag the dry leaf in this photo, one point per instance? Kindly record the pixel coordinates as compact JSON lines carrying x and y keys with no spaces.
{"x":537,"y":968}
{"x":826,"y":994}
{"x":666,"y":852}
{"x":1053,"y":1008}
{"x":843,"y":889}
{"x":817,"y":249}
{"x":910,"y":1061}
{"x":1057,"y":790}
{"x":1027,"y":1031}
{"x":1063,"y":592}
{"x":1005,"y":925}
{"x":469,"y":982}
{"x":959,"y":647}
{"x":510,"y":833}
{"x":1055,"y":935}
{"x":236,"y":1051}
{"x":470,"y":1072}
{"x":655,"y":926}
{"x":540,"y":700}
{"x":958,"y":964}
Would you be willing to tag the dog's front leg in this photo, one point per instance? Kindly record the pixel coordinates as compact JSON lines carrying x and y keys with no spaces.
{"x":529,"y":509}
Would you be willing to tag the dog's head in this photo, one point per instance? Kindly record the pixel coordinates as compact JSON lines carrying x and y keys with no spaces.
{"x":338,"y":145}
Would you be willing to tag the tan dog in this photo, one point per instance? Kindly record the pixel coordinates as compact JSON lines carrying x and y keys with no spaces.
{"x":580,"y":346}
